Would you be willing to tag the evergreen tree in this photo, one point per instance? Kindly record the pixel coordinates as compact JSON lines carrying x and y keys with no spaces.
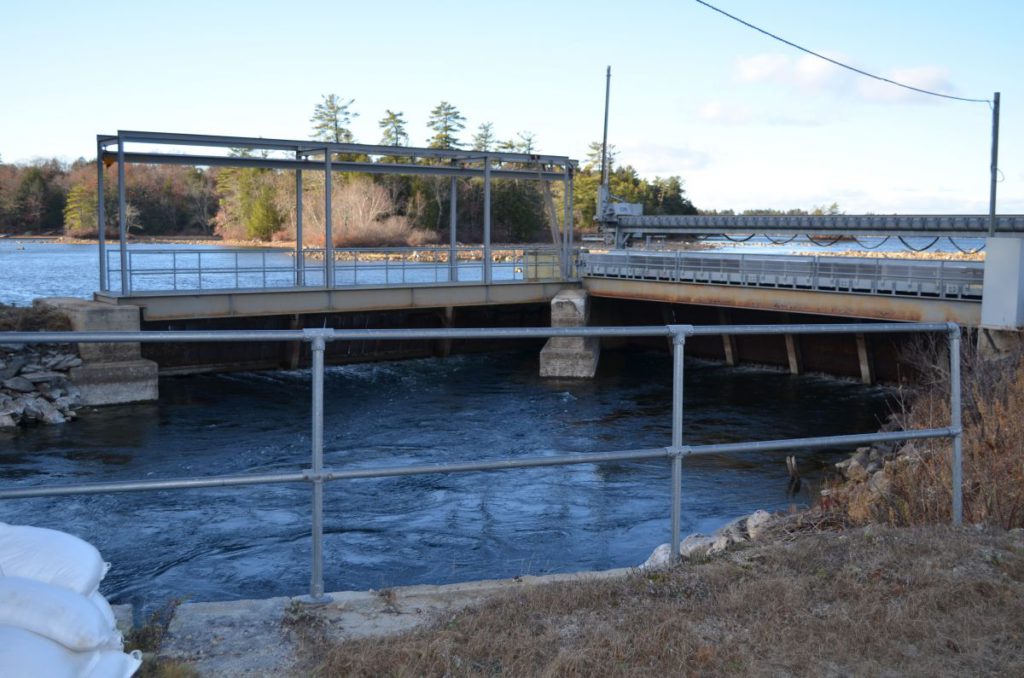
{"x":331,"y":118}
{"x":527,"y":142}
{"x":446,"y":122}
{"x":393,"y":126}
{"x":483,"y":140}
{"x":80,"y":212}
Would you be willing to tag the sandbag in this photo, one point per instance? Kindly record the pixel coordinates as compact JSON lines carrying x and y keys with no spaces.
{"x":114,"y":664}
{"x":26,"y":654}
{"x":50,"y":556}
{"x":63,"y":616}
{"x":103,"y":606}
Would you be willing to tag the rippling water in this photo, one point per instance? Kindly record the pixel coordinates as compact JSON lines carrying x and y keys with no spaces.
{"x":253,"y":542}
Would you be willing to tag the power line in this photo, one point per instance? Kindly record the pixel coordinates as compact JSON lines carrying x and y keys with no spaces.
{"x":841,"y":64}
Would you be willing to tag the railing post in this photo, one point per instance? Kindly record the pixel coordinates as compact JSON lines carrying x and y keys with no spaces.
{"x":328,"y":236}
{"x":485,"y":272}
{"x":678,"y":350}
{"x":316,"y":581}
{"x":955,"y":423}
{"x":300,"y":261}
{"x":101,"y":218}
{"x":122,"y":215}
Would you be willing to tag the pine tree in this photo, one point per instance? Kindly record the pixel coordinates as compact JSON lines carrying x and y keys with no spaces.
{"x":331,"y":118}
{"x":483,"y":140}
{"x":80,"y":212}
{"x":393,"y":126}
{"x":446,"y":121}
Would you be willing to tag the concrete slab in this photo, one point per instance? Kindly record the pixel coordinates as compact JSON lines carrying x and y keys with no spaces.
{"x":262,"y":637}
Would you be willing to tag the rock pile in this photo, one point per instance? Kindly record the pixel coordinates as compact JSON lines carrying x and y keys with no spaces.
{"x":745,"y":528}
{"x":35,"y":387}
{"x":867,"y":479}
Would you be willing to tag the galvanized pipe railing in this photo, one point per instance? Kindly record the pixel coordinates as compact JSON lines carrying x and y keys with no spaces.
{"x":317,"y":475}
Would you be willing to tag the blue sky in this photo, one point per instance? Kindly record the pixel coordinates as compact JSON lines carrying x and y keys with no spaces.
{"x":746,"y":121}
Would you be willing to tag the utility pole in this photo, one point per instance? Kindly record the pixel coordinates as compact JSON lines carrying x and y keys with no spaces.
{"x":994,"y":168}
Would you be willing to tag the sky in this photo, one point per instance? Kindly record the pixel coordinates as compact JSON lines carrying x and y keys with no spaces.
{"x":747,"y":122}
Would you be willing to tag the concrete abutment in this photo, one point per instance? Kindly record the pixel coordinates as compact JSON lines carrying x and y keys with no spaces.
{"x":111,"y":374}
{"x":572,"y":357}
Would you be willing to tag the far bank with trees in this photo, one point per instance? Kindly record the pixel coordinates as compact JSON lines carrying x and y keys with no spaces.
{"x":256,"y":204}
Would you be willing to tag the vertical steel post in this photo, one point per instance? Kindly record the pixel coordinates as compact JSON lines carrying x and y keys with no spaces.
{"x":487,"y":220}
{"x":122,"y":215}
{"x":453,"y":218}
{"x":955,"y":423}
{"x":678,"y":348}
{"x":566,"y":220}
{"x":994,"y":168}
{"x":101,"y":217}
{"x":300,"y":260}
{"x":328,"y":242}
{"x":571,"y":219}
{"x":316,"y":582}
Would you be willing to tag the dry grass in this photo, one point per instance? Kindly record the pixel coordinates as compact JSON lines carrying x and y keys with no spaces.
{"x":916,"y":488}
{"x":148,"y":639}
{"x":877,"y":601}
{"x":37,"y":318}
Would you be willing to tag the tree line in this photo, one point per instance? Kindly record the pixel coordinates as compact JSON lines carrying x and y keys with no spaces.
{"x":48,"y":196}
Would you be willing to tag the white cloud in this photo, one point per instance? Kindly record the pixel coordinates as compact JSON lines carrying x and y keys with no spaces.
{"x":933,"y":78}
{"x":723,"y":113}
{"x":663,"y":160}
{"x":803,"y":72}
{"x":809,"y":73}
{"x":760,"y":67}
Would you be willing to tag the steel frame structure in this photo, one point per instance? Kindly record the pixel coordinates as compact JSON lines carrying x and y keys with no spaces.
{"x":319,"y":156}
{"x":316,"y":475}
{"x":952,"y":225}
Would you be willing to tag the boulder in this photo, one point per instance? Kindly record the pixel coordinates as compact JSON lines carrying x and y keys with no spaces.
{"x":19,"y":384}
{"x":757,"y":524}
{"x":696,"y":545}
{"x":659,"y":558}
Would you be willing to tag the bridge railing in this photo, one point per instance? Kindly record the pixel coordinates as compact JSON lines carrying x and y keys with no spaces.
{"x":216,"y":268}
{"x":861,"y":275}
{"x":675,"y":450}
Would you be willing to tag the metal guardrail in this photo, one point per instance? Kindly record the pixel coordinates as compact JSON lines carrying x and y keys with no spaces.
{"x":852,"y":275}
{"x":208,"y":269}
{"x":970,"y":225}
{"x":316,"y":475}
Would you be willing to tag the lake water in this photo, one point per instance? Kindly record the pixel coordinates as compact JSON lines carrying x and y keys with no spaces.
{"x":230,"y":543}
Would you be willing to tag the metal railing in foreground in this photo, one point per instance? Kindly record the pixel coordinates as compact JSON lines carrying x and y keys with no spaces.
{"x":317,"y":474}
{"x":217,"y":268}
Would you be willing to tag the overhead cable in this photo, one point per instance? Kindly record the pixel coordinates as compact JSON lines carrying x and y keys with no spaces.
{"x":841,"y":64}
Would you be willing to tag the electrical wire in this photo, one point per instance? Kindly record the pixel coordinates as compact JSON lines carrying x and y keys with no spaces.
{"x":811,"y":240}
{"x":780,"y":242}
{"x":974,"y":251}
{"x":728,"y":237}
{"x":914,"y":249}
{"x":841,"y":64}
{"x":880,"y":243}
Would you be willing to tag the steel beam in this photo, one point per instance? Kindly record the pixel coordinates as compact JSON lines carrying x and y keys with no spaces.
{"x":964,"y":225}
{"x":339,"y":166}
{"x":306,"y":147}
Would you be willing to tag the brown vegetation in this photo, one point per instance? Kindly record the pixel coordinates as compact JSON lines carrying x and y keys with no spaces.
{"x":915,"y":486}
{"x":38,"y":318}
{"x":876,"y":601}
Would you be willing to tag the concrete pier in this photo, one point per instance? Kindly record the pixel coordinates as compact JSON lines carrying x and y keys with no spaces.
{"x":573,"y":357}
{"x":111,"y":373}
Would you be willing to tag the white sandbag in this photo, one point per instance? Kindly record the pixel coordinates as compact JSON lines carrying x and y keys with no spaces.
{"x":113,"y":664}
{"x":23,"y":653}
{"x":56,"y":613}
{"x":50,"y":556}
{"x":103,"y":606}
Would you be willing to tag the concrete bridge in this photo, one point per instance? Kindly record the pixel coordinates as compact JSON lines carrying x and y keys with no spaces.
{"x":490,"y":284}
